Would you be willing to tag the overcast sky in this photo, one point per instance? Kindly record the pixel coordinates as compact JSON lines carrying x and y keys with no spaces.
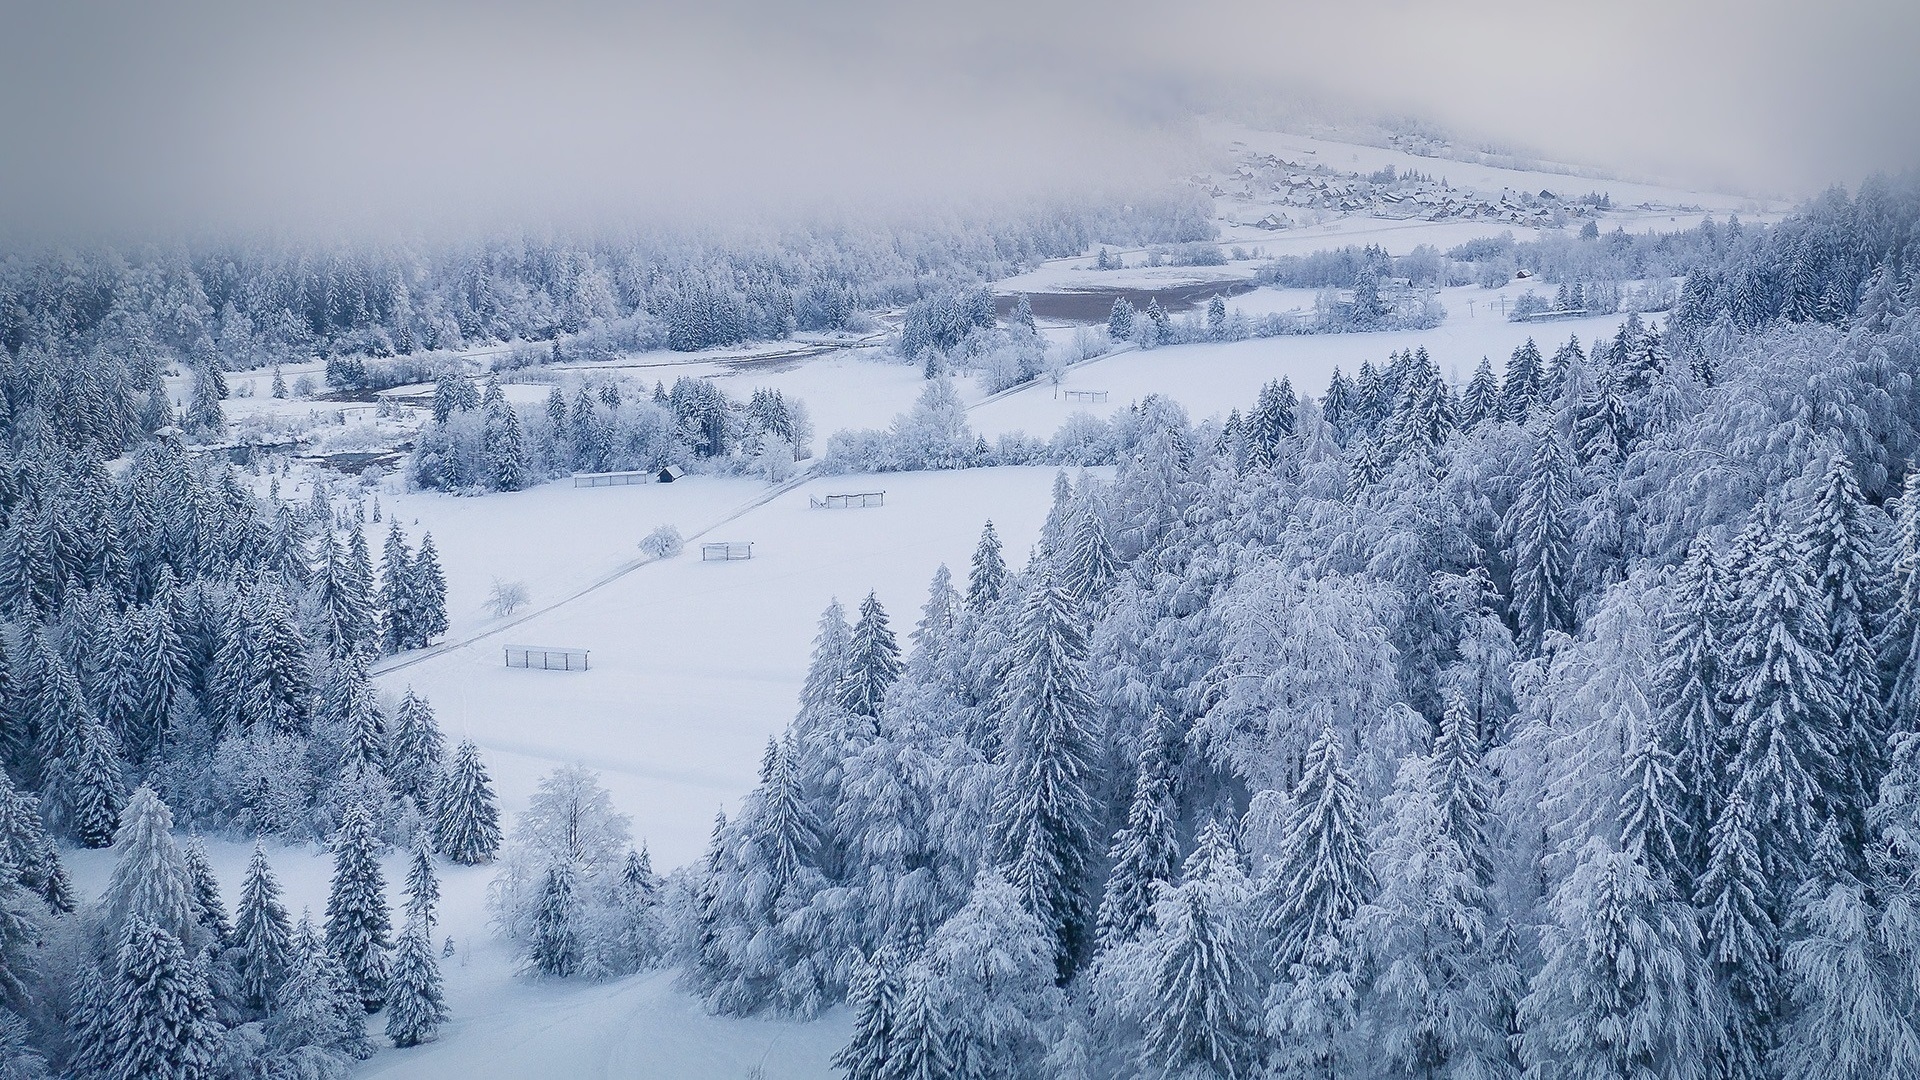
{"x":396,"y":112}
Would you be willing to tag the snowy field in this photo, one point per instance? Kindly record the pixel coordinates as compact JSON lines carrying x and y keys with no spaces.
{"x":1211,"y":379}
{"x":695,"y":664}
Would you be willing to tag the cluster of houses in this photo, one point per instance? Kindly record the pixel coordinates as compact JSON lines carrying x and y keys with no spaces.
{"x":1265,"y":179}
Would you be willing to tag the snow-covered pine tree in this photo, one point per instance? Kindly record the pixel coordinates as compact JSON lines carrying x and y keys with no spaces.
{"x":415,"y":750}
{"x":86,"y":787}
{"x":342,"y":610}
{"x":359,"y":929}
{"x":1463,"y":788}
{"x":1651,"y":825}
{"x":261,"y":933}
{"x":316,"y":1005}
{"x":1691,"y":687}
{"x":506,"y":448}
{"x":430,"y":592}
{"x":1145,"y":856}
{"x":1785,"y":707}
{"x":1044,"y":814}
{"x":1843,"y":555}
{"x":1120,"y":321}
{"x":932,"y":636}
{"x":416,"y":1006}
{"x":399,"y":610}
{"x":90,"y":1016}
{"x":918,"y":1046}
{"x":1423,"y":929}
{"x":1539,"y":533}
{"x":987,"y":581}
{"x":1482,"y":401}
{"x":1520,"y":390}
{"x":203,"y":892}
{"x":555,"y":946}
{"x":1855,"y":1002}
{"x":423,"y":885}
{"x":874,"y":1000}
{"x":873,"y":661}
{"x":1089,"y":565}
{"x":27,"y":848}
{"x":1625,"y":990}
{"x":1204,"y":1015}
{"x":163,"y":1026}
{"x":991,"y":967}
{"x":1741,"y":940}
{"x":150,"y":883}
{"x":466,"y":821}
{"x":828,"y":669}
{"x":1321,"y":875}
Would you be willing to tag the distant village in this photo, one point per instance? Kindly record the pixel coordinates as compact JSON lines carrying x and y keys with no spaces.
{"x":1266,"y":179}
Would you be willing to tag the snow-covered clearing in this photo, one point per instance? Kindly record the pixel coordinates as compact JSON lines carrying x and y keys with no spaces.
{"x":695,"y":663}
{"x":1213,"y":378}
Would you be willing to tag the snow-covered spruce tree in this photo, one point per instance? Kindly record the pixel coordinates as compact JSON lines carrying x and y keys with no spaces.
{"x":430,"y":592}
{"x":1521,"y":388}
{"x":1463,"y":787}
{"x":1539,"y":533}
{"x":991,"y":969}
{"x":1691,"y":685}
{"x":1089,"y":565}
{"x":1843,"y":555}
{"x":359,"y":929}
{"x":767,"y":873}
{"x":873,"y":661}
{"x":399,"y":607}
{"x":1482,"y":401}
{"x":1625,"y":990}
{"x":150,"y":882}
{"x":27,"y":848}
{"x":341,"y":610}
{"x":415,"y":750}
{"x":316,"y":1010}
{"x":1321,"y":875}
{"x":1423,"y":930}
{"x":90,"y":1016}
{"x":1741,"y":940}
{"x":1203,"y":1012}
{"x":553,"y":948}
{"x":261,"y":933}
{"x":466,"y":821}
{"x":423,"y":885}
{"x":507,"y":468}
{"x":163,"y":1025}
{"x":1044,"y":813}
{"x":919,"y":1047}
{"x":85,"y":790}
{"x":1786,"y":709}
{"x":203,"y":892}
{"x":987,"y":580}
{"x":415,"y":1005}
{"x":1145,"y":856}
{"x":874,"y":1000}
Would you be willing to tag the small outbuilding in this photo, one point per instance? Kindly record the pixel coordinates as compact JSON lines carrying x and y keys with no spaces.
{"x":670,"y":473}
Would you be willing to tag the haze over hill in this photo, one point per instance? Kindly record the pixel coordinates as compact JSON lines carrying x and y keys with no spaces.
{"x":426,"y":114}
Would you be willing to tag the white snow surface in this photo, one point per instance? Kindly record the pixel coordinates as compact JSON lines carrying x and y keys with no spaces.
{"x":694,"y":664}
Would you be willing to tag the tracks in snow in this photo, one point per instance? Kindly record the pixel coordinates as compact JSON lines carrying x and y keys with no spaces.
{"x":402,"y":662}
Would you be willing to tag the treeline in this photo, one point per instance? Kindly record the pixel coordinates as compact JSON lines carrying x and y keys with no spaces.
{"x":255,"y":304}
{"x":1564,"y":725}
{"x":481,"y":442}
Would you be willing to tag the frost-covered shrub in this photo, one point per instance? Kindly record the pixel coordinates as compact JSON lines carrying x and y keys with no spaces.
{"x":664,"y":542}
{"x":1528,"y":304}
{"x":506,"y":597}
